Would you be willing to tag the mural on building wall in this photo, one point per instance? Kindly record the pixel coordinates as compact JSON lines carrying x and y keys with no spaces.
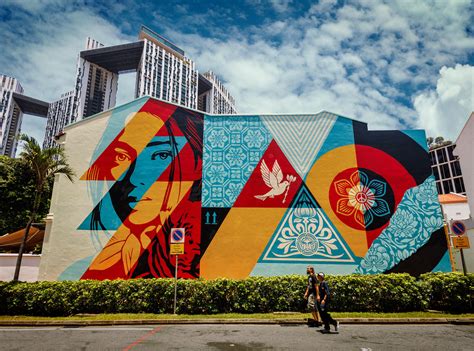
{"x":259,"y":195}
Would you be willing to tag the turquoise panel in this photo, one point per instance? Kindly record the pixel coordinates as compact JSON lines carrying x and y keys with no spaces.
{"x":233,"y":146}
{"x":419,"y":136}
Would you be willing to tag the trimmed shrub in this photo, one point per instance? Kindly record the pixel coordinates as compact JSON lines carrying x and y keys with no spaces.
{"x":452,"y":292}
{"x":378,"y":293}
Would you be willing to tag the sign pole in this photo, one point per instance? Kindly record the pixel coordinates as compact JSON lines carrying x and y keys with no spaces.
{"x":175,"y":283}
{"x":447,"y":228}
{"x":177,"y":239}
{"x":464,"y":270}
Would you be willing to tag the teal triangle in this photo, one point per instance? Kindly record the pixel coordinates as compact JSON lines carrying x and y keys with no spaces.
{"x":305,"y":234}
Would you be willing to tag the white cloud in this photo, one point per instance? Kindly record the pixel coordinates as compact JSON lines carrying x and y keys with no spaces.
{"x":281,"y":5}
{"x":44,"y":58}
{"x":444,"y":111}
{"x":363,"y":60}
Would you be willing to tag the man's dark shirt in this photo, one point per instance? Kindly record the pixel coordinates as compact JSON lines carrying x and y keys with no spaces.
{"x":324,"y":290}
{"x":312,"y":283}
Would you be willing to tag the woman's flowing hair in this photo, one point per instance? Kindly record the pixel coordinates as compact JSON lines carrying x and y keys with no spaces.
{"x":191,"y":126}
{"x":155,"y":261}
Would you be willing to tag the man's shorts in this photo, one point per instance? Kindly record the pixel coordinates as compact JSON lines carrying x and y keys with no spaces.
{"x":312,"y":305}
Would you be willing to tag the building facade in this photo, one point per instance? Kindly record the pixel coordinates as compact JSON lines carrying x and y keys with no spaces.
{"x":60,"y":114}
{"x":163,"y":71}
{"x":447,"y":170}
{"x":256,"y":195}
{"x":96,"y":87}
{"x":10,"y":115}
{"x":217,"y":100}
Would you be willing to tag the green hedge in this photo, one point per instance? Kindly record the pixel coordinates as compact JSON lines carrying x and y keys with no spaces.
{"x":378,"y":293}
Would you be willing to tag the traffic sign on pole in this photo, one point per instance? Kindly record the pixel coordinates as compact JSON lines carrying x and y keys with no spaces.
{"x":461,"y":242}
{"x":458,"y":228}
{"x":177,"y":235}
{"x":177,"y":238}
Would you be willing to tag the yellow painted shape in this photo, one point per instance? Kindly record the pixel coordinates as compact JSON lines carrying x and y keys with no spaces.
{"x":126,"y":245}
{"x":141,"y":128}
{"x":319,"y":180}
{"x":151,"y":205}
{"x":239,"y":242}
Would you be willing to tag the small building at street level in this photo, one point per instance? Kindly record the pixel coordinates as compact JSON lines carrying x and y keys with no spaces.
{"x":256,"y":195}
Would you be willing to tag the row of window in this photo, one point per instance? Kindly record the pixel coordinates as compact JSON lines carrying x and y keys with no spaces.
{"x":454,"y":185}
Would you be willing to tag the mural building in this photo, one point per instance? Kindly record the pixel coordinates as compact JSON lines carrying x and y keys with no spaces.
{"x":258,"y":195}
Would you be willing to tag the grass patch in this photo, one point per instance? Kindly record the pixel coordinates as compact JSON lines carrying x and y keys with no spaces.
{"x":145,"y":316}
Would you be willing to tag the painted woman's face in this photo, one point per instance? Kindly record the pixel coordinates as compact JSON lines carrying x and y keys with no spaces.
{"x":150,"y":189}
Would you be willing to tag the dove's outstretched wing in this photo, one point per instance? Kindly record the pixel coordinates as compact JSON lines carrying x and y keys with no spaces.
{"x":265,"y":174}
{"x":277,"y":172}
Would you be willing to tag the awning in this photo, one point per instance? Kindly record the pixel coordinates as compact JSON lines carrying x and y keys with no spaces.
{"x":12,"y":241}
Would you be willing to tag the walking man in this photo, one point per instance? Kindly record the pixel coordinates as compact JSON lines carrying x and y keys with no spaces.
{"x":323,"y":305}
{"x":312,"y":295}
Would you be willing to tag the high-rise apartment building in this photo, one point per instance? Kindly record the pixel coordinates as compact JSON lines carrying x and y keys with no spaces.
{"x":216,"y":100}
{"x":96,"y":87}
{"x":10,"y":115}
{"x":60,"y":114}
{"x":163,"y":71}
{"x":447,"y":170}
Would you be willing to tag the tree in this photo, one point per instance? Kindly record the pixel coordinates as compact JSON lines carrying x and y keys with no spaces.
{"x":44,"y":164}
{"x":17,"y":189}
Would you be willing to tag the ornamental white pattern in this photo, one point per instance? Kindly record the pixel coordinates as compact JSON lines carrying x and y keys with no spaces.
{"x":418,"y":215}
{"x":306,"y":234}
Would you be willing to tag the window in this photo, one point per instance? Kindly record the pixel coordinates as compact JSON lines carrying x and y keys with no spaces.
{"x":459,"y":185}
{"x":450,"y":149}
{"x":448,"y":186}
{"x":435,"y":172}
{"x":445,"y":171}
{"x":441,"y":155}
{"x":456,"y":168}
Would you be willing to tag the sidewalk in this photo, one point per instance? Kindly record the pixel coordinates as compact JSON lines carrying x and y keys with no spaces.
{"x":79,"y":323}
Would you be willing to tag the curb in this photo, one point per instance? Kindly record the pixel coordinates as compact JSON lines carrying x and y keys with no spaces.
{"x":82,"y":323}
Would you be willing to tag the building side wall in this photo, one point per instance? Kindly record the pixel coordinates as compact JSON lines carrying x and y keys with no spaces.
{"x":256,"y":195}
{"x":464,"y":149}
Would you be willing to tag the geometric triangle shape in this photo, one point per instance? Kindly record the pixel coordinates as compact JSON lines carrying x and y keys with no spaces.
{"x":306,"y":234}
{"x":273,"y":183}
{"x":300,"y":137}
{"x":211,"y":220}
{"x":125,"y":147}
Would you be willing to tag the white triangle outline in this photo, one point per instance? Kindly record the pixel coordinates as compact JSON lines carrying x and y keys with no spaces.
{"x":300,"y":137}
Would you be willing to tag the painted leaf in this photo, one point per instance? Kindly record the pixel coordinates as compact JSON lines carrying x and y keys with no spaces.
{"x":130,"y":253}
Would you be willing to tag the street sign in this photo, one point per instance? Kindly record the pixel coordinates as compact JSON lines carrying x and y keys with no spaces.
{"x":176,"y":249}
{"x":461,"y":242}
{"x":177,"y":235}
{"x":458,"y":228}
{"x":177,"y":238}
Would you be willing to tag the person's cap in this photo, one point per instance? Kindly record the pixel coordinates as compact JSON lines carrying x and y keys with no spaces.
{"x":321,"y":274}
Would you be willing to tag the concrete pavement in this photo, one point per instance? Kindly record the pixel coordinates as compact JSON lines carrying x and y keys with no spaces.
{"x":239,"y":337}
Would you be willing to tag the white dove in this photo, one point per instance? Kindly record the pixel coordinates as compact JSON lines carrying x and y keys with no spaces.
{"x":273,"y":180}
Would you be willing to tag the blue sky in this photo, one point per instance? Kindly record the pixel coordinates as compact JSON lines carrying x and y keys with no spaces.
{"x":393,"y":64}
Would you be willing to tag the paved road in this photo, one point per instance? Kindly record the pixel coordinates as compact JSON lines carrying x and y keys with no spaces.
{"x":239,"y":337}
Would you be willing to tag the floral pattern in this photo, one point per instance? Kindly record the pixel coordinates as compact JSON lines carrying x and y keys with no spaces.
{"x":418,"y":215}
{"x":361,"y":198}
{"x":232,"y":149}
